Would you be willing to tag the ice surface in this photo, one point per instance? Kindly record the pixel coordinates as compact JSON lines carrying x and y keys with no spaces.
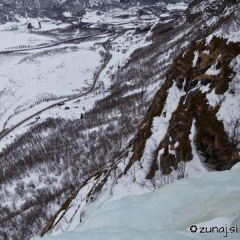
{"x":236,"y":167}
{"x":168,"y":212}
{"x":195,"y":168}
{"x":131,"y":234}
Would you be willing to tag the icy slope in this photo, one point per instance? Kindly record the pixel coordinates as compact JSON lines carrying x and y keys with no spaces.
{"x":168,"y":213}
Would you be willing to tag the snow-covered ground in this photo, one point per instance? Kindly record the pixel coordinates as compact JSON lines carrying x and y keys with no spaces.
{"x":177,"y":6}
{"x":168,"y":213}
{"x":116,"y":16}
{"x":129,"y":17}
{"x":21,"y":25}
{"x":16,"y":35}
{"x":56,"y":72}
{"x":31,"y":77}
{"x":17,"y":40}
{"x":209,"y":200}
{"x":121,"y":49}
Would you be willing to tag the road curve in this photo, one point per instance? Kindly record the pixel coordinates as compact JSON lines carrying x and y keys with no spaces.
{"x":109,"y":56}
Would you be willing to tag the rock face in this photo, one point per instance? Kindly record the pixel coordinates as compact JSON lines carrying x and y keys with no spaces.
{"x":211,"y":139}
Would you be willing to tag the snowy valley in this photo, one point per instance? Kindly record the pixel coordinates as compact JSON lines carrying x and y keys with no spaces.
{"x":120,"y":120}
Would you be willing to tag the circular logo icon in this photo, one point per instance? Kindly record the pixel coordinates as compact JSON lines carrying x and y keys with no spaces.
{"x":193,"y":228}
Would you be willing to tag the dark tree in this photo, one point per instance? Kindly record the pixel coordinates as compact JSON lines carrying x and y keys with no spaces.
{"x":29,"y":26}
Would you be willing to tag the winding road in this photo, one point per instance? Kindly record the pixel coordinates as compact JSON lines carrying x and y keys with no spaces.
{"x":96,"y":76}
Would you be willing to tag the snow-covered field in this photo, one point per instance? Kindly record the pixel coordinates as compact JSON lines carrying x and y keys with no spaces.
{"x":129,"y":17}
{"x":31,"y":77}
{"x":11,"y":40}
{"x":168,"y":213}
{"x":21,"y":25}
{"x":43,"y":75}
{"x":16,"y":35}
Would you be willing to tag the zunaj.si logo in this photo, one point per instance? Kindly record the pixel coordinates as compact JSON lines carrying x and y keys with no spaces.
{"x":225,"y":230}
{"x":193,"y":228}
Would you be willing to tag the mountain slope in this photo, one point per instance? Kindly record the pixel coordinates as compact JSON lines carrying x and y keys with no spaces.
{"x":192,"y":124}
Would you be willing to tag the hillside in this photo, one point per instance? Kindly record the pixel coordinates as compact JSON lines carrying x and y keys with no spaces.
{"x":191,"y":126}
{"x":166,"y":106}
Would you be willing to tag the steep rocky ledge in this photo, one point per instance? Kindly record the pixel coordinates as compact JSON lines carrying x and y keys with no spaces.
{"x":211,"y":139}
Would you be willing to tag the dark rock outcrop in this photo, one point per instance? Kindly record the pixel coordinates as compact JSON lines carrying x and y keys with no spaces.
{"x":211,"y":139}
